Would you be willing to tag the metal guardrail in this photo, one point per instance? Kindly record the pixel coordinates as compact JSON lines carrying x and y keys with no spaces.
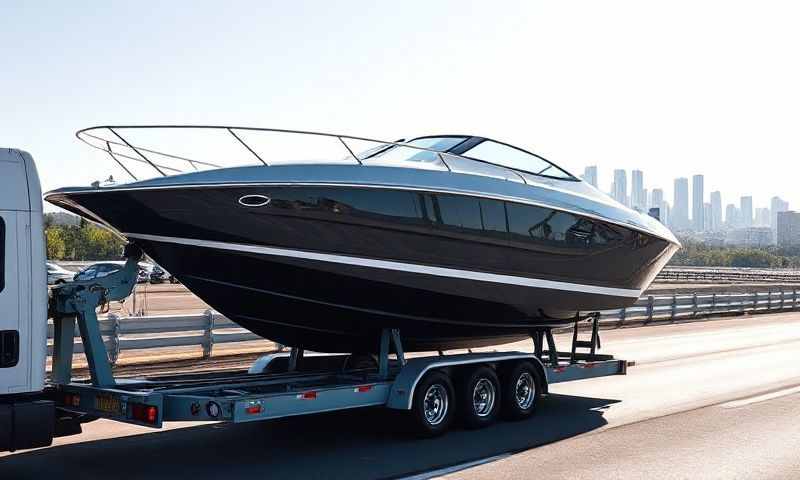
{"x":212,"y":328}
{"x":716,"y":275}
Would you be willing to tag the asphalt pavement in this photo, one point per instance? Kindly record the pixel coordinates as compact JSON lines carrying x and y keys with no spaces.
{"x":716,"y":399}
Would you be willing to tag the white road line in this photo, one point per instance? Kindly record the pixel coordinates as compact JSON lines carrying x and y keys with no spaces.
{"x":434,"y":474}
{"x":761,"y":398}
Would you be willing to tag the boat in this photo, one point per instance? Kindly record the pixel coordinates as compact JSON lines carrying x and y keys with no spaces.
{"x":457,"y":241}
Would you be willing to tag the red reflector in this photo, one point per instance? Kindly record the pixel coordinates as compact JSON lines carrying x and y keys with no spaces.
{"x":363,"y":388}
{"x":144,"y":413}
{"x":560,"y":369}
{"x":253,"y":409}
{"x":72,"y":400}
{"x":308,"y":395}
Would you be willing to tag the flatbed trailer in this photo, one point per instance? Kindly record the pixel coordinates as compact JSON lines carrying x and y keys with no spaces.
{"x":478,"y":386}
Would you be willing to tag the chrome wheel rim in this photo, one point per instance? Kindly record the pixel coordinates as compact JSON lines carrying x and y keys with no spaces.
{"x":525,"y":391}
{"x":483,"y":397}
{"x":435,"y":404}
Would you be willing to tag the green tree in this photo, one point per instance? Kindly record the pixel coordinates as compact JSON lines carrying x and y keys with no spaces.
{"x":56,"y":246}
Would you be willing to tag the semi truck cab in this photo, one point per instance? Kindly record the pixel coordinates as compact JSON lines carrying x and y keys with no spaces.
{"x":23,"y":306}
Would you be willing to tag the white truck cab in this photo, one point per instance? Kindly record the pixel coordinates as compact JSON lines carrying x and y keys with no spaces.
{"x":23,"y":303}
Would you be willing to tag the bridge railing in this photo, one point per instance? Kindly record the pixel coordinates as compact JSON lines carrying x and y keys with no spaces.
{"x":211,"y":328}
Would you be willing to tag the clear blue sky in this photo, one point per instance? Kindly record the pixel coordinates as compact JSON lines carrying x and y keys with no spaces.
{"x":673,"y":88}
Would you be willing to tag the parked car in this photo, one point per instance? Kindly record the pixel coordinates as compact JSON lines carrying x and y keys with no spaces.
{"x":101,"y":269}
{"x":159,"y":275}
{"x":56,"y":274}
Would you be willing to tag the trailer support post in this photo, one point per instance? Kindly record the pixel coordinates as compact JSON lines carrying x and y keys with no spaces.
{"x":295,"y":354}
{"x":93,"y":346}
{"x":63,"y":347}
{"x":389,"y":337}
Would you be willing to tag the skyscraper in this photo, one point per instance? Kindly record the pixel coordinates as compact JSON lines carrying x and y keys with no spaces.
{"x":590,"y":175}
{"x":657,"y":198}
{"x":698,"y":217}
{"x":746,"y":212}
{"x":638,"y":199}
{"x":788,"y":229}
{"x":716,"y":211}
{"x":620,"y":192}
{"x":706,"y":217}
{"x":776,"y":204}
{"x":762,"y":217}
{"x":680,"y":205}
{"x":731,"y":215}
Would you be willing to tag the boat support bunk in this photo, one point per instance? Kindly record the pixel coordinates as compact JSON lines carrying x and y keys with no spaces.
{"x":293,"y":383}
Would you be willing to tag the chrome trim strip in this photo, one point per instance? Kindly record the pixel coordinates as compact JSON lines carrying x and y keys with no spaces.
{"x":473,"y":193}
{"x":397,"y":266}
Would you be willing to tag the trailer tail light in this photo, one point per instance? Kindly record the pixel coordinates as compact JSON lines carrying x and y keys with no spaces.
{"x":363,"y":388}
{"x":254,"y":408}
{"x":312,"y":395}
{"x":72,"y":400}
{"x":144,"y":413}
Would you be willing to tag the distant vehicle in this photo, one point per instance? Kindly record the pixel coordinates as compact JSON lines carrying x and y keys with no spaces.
{"x":159,"y":275}
{"x":57,"y":274}
{"x":102,"y":269}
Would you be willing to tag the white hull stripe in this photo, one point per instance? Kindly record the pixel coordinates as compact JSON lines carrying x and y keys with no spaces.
{"x":392,"y":265}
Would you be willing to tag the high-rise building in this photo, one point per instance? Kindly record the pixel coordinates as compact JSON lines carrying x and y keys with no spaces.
{"x":731,"y":216}
{"x":590,"y":175}
{"x":620,"y":190}
{"x":707,"y":217}
{"x":776,"y":204}
{"x":788,"y":229}
{"x":656,"y":197}
{"x":680,"y":204}
{"x":716,"y":211}
{"x":698,"y":222}
{"x":761,"y":218}
{"x":746,"y":212}
{"x":666,"y":214}
{"x":638,"y":199}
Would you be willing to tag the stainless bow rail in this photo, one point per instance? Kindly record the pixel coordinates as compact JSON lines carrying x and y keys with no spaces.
{"x":112,"y":140}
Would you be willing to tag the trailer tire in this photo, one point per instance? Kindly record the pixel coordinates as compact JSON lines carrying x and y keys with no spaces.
{"x":479,"y":397}
{"x":434,"y":405}
{"x":522,"y":385}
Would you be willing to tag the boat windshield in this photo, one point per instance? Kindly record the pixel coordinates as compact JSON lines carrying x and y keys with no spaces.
{"x":512,"y":157}
{"x":399,"y":154}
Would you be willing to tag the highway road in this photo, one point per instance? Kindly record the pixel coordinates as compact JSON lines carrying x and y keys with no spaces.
{"x":715,"y":399}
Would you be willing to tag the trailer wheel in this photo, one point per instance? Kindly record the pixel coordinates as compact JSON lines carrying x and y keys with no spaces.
{"x":433,"y":406}
{"x":521,"y":391}
{"x":479,"y":397}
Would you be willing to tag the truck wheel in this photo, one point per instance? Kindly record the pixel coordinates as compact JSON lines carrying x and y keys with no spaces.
{"x":433,"y":406}
{"x":479,"y":397}
{"x":521,"y":391}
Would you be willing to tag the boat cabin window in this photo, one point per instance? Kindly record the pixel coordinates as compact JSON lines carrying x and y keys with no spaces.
{"x":512,"y":157}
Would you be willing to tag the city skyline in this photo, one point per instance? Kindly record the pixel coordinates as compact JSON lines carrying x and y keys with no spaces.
{"x":687,"y":211}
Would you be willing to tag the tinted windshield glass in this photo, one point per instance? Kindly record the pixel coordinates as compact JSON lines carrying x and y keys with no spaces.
{"x":440,"y":144}
{"x":511,"y":157}
{"x":402,"y":156}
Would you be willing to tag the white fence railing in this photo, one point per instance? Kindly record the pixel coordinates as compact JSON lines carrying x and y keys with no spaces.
{"x":211,"y":328}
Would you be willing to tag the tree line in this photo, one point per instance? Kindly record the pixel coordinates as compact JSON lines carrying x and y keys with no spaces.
{"x":698,"y":254}
{"x":84,"y":241}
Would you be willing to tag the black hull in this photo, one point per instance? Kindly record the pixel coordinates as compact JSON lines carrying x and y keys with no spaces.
{"x":448,"y":285}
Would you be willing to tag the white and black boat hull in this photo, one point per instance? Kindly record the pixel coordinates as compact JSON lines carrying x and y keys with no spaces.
{"x":326,"y":267}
